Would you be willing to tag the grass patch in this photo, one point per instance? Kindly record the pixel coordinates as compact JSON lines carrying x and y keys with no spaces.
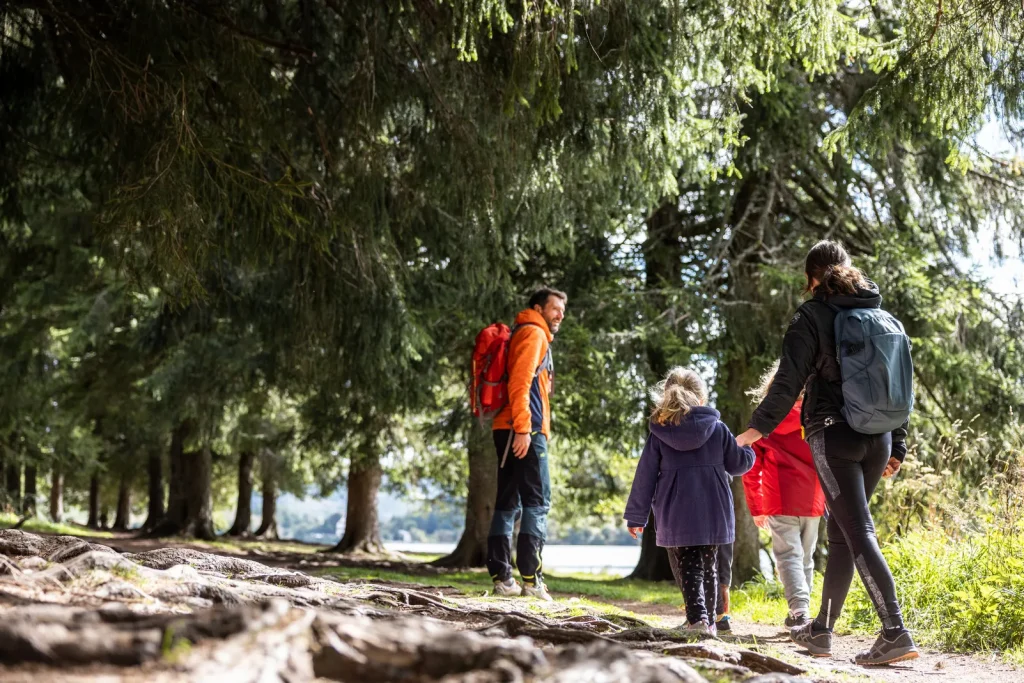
{"x":42,"y":526}
{"x":961,"y":594}
{"x":238,"y":545}
{"x":758,"y":601}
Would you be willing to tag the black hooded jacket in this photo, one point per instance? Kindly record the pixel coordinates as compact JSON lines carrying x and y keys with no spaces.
{"x":809,"y":363}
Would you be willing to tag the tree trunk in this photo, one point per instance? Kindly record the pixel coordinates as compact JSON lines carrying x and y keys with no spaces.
{"x":243,"y":509}
{"x":663,"y":273}
{"x":14,"y":485}
{"x":29,"y":503}
{"x":94,"y":501}
{"x":481,"y":492}
{"x":653,"y":564}
{"x":56,"y":495}
{"x":155,"y":472}
{"x":362,"y":531}
{"x":746,"y":550}
{"x":174,"y":520}
{"x":197,"y":468}
{"x":268,"y":486}
{"x":122,"y":516}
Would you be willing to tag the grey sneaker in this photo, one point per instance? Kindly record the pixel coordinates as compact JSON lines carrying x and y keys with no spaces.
{"x":538,"y":590}
{"x":698,"y":627}
{"x":884,"y":651}
{"x":794,"y":620}
{"x":508,"y":588}
{"x":818,"y":644}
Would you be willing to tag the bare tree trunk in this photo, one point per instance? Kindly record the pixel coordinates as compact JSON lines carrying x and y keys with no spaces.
{"x":653,"y":564}
{"x":268,"y":524}
{"x":746,"y":550}
{"x":14,"y":484}
{"x":122,"y":516}
{"x":155,"y":472}
{"x":362,"y":530}
{"x":174,"y":520}
{"x":56,"y":495}
{"x":481,"y":491}
{"x":94,"y":501}
{"x":243,"y":509}
{"x":663,"y":272}
{"x":198,"y":471}
{"x":29,"y":503}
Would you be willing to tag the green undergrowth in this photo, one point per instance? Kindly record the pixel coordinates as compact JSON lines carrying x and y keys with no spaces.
{"x":960,"y":593}
{"x":42,"y":526}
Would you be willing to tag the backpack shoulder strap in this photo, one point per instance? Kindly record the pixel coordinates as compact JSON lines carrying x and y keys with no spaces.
{"x":546,"y":363}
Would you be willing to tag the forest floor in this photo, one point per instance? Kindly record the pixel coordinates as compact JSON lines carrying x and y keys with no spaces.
{"x":123,"y":608}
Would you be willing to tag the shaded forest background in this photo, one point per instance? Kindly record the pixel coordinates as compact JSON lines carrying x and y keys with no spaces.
{"x":247,"y":245}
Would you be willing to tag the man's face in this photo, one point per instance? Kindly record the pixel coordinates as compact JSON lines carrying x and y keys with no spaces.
{"x":552,"y":312}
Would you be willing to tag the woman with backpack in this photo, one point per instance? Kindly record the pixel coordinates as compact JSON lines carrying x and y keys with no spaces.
{"x":852,"y":360}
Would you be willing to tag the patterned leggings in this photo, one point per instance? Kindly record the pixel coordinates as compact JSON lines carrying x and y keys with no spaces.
{"x":697,"y":577}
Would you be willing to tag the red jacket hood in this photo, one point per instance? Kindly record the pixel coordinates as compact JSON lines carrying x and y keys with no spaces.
{"x":532,"y":317}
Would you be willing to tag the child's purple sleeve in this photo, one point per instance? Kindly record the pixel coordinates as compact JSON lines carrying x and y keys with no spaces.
{"x":737,"y":460}
{"x":641,"y":495}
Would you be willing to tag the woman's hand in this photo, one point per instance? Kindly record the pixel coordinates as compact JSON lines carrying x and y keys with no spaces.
{"x":761,"y":521}
{"x":748,"y":437}
{"x":634,"y":530}
{"x":892,"y":468}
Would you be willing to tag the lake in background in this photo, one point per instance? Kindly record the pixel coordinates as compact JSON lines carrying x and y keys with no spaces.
{"x":618,"y":560}
{"x":575,"y":559}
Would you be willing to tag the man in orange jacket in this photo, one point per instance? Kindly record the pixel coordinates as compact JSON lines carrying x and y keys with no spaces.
{"x":521,"y":433}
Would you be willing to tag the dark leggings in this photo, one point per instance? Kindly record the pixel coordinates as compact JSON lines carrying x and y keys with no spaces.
{"x":850,"y":465}
{"x":696,"y":576}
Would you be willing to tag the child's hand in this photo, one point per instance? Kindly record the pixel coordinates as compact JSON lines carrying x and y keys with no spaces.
{"x":634,"y":530}
{"x":892,"y":468}
{"x":761,"y":521}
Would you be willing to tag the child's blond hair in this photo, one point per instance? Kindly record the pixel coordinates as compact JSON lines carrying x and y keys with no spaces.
{"x":758,"y":393}
{"x":675,"y":395}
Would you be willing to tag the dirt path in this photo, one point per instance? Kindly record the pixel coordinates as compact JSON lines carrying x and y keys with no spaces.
{"x":932,"y":666}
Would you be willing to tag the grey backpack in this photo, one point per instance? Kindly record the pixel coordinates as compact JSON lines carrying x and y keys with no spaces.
{"x":873,"y":351}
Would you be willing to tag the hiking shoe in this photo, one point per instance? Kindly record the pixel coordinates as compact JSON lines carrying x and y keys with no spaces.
{"x":818,"y":644}
{"x":538,"y":590}
{"x":794,"y":620}
{"x":723,"y":624}
{"x":886,"y":651}
{"x":508,"y":588}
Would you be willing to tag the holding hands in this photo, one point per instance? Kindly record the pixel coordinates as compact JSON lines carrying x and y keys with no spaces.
{"x":748,"y":437}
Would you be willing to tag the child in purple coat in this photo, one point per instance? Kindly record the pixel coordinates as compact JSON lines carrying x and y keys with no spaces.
{"x":683,"y":472}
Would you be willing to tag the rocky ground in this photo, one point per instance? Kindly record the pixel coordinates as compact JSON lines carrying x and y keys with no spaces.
{"x":71,"y":610}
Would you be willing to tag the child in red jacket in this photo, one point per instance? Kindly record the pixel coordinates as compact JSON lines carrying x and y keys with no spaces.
{"x":784,"y":496}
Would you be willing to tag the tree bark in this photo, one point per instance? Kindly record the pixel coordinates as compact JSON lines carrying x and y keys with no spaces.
{"x":481,"y":492}
{"x":653,"y":564}
{"x":29,"y":502}
{"x":56,"y":495}
{"x":663,"y":272}
{"x":122,"y":516}
{"x":94,"y":501}
{"x":362,"y":530}
{"x":197,"y":468}
{"x":243,"y":509}
{"x":268,"y":487}
{"x":13,"y":485}
{"x":174,"y":520}
{"x":746,"y":550}
{"x":155,"y":472}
